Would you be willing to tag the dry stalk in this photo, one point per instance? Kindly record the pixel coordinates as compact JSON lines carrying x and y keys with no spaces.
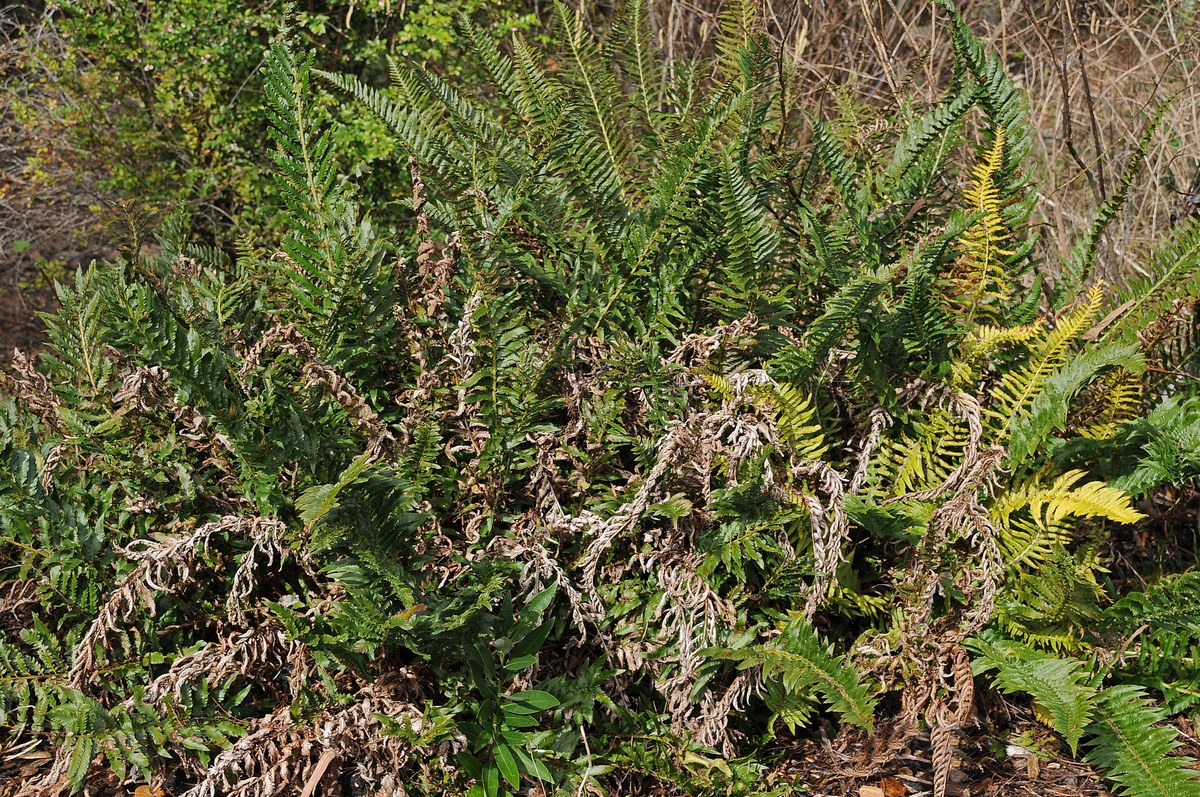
{"x":147,"y":389}
{"x":278,"y":756}
{"x":33,"y":389}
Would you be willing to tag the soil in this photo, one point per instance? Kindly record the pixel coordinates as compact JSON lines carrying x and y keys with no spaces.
{"x":23,"y":295}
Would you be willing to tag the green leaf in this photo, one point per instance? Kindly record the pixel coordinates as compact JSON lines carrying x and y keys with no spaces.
{"x":507,"y":765}
{"x":317,"y":502}
{"x":518,"y":663}
{"x":491,"y":780}
{"x":531,"y":701}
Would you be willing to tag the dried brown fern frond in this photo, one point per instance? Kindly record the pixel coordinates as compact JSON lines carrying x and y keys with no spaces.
{"x":166,"y":565}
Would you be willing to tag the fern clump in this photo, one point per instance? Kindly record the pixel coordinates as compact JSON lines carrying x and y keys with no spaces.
{"x":651,"y":440}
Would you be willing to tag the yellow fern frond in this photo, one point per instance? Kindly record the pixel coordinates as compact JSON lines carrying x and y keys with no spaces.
{"x":1032,"y":536}
{"x":982,"y":343}
{"x":1115,"y":399}
{"x":1030,"y":540}
{"x":796,"y":420}
{"x":922,"y":460}
{"x":720,"y":386}
{"x":1016,"y":392}
{"x":979,"y":282}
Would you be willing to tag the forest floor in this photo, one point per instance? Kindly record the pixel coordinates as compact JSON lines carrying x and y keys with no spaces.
{"x":23,"y":294}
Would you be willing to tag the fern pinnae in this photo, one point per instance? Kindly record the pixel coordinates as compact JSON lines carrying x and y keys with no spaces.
{"x":1174,"y":270}
{"x":982,"y":278}
{"x":1059,"y":687}
{"x":1049,"y":408}
{"x":668,"y":193}
{"x":1018,"y":389}
{"x":1135,"y":750}
{"x":632,"y":30}
{"x":929,"y":129}
{"x":598,"y":83}
{"x":416,"y":132}
{"x":839,"y":165}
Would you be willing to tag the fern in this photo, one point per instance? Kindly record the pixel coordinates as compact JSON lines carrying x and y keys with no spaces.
{"x":800,"y":662}
{"x":1016,"y":392}
{"x":1081,"y":261}
{"x":1135,"y":749}
{"x":1049,"y":410}
{"x":981,"y":281}
{"x":1060,"y":688}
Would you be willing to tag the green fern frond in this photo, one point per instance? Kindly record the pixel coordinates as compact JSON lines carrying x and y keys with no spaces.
{"x":1053,"y":605}
{"x":1062,"y":696}
{"x":1049,"y":410}
{"x":751,"y":237}
{"x":801,"y":662}
{"x":1135,"y":750}
{"x":1082,"y":259}
{"x":1173,"y":270}
{"x":600,"y":98}
{"x":841,"y":313}
{"x":633,"y":52}
{"x":839,"y":165}
{"x":919,"y":136}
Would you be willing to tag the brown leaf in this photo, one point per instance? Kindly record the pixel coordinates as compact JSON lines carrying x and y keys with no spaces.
{"x":146,"y":791}
{"x":894,"y":788}
{"x":870,"y":791}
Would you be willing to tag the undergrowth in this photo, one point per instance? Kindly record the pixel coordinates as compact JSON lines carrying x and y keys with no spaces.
{"x":654,"y":440}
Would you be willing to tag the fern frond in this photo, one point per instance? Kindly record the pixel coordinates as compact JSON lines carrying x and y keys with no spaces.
{"x":980,"y":281}
{"x":1062,"y":696}
{"x":600,"y":98}
{"x":1110,"y":401}
{"x":1050,"y":407}
{"x":919,"y":136}
{"x":1007,"y":110}
{"x":1082,"y":259}
{"x":1016,"y":392}
{"x":751,"y":238}
{"x":801,"y":662}
{"x":1061,"y":499}
{"x":1173,"y":270}
{"x":1135,"y":750}
{"x":1052,"y":606}
{"x":796,"y":422}
{"x":634,"y":56}
{"x":922,"y":459}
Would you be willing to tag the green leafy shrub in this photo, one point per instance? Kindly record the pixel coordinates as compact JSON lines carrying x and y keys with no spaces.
{"x":164,"y":101}
{"x":651,"y":440}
